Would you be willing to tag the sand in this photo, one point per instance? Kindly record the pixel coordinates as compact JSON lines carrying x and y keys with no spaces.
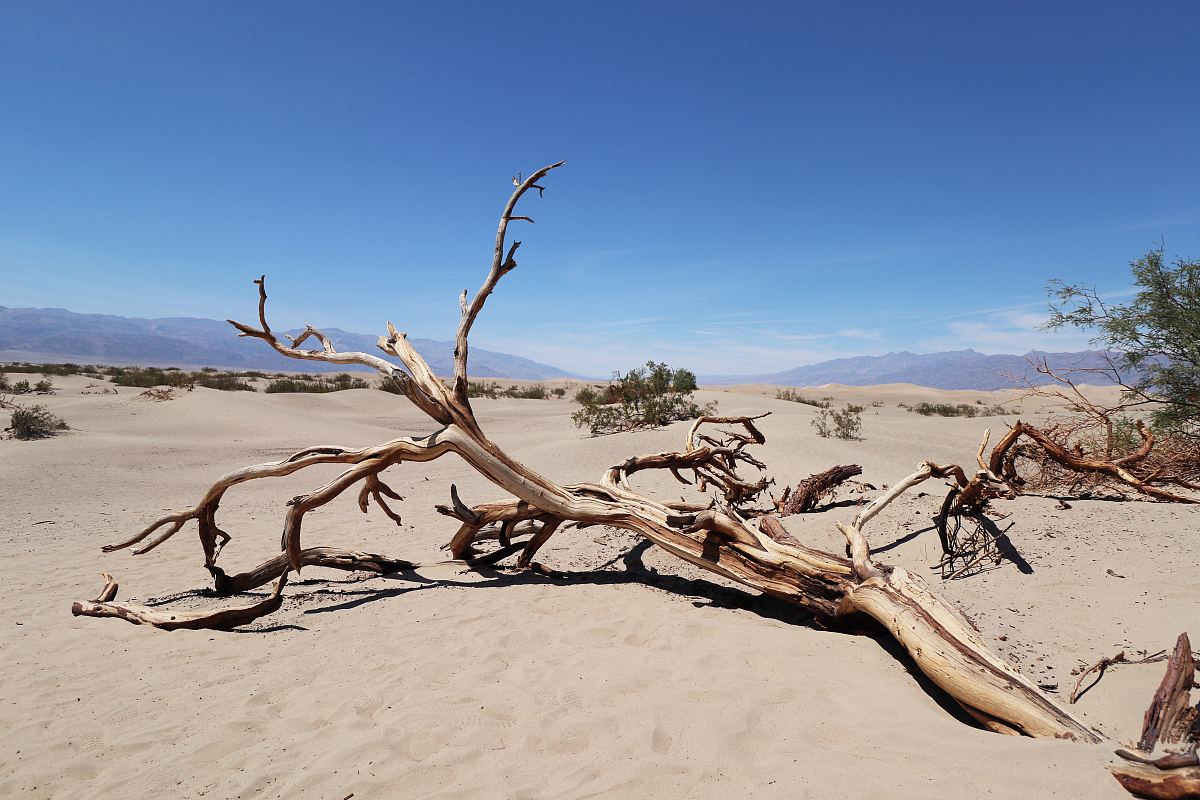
{"x":638,"y":676}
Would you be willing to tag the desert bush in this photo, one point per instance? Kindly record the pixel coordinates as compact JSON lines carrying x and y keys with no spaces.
{"x":559,"y":392}
{"x":793,"y":396}
{"x":955,"y":410}
{"x":843,"y":424}
{"x":21,"y":387}
{"x":646,"y":397}
{"x":47,"y":369}
{"x":308,"y":384}
{"x":35,"y":422}
{"x":44,"y":386}
{"x":488,"y":389}
{"x":1157,"y":334}
{"x":223,"y":381}
{"x":535,"y":392}
{"x":293,"y":386}
{"x":389,"y":386}
{"x":149,"y":377}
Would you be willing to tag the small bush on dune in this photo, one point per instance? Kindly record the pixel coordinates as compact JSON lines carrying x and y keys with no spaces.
{"x":48,"y":369}
{"x":35,"y":422}
{"x":793,"y":396}
{"x":149,"y":377}
{"x":647,"y":397}
{"x":843,"y":424}
{"x":224,"y":382}
{"x":290,"y":386}
{"x":307,"y":384}
{"x":488,"y":389}
{"x":956,"y":409}
{"x":535,"y":392}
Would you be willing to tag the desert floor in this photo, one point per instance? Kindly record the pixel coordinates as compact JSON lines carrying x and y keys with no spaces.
{"x":634,"y":676}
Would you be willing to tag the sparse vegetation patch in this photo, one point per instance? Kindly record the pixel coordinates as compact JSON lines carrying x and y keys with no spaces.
{"x":34,"y":422}
{"x":793,"y":396}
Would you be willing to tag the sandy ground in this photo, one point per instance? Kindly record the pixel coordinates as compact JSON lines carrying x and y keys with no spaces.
{"x":637,"y":676}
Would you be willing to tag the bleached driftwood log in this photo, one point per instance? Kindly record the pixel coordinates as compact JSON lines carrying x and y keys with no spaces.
{"x":754,"y":552}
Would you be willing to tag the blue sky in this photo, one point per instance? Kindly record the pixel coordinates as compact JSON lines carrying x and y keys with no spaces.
{"x":749,"y":186}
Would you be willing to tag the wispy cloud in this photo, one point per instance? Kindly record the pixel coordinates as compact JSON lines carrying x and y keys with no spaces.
{"x":1006,"y":332}
{"x":1182,"y":218}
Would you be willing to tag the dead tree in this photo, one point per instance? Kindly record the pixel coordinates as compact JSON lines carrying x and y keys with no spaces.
{"x":715,"y":536}
{"x":1170,"y":719}
{"x":1080,"y":451}
{"x":1124,"y":470}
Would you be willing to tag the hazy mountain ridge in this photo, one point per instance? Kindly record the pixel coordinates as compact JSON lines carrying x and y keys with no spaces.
{"x":196,"y":342}
{"x":955,"y":369}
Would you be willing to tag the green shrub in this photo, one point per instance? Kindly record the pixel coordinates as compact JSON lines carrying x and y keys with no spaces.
{"x":559,"y":392}
{"x":35,"y":422}
{"x":309,"y":384}
{"x":791,"y":395}
{"x":291,"y":386}
{"x":489,"y":389}
{"x":21,"y":387}
{"x":44,"y":386}
{"x":535,"y":392}
{"x":646,"y":397}
{"x":955,"y":410}
{"x":223,"y":381}
{"x":388,"y":385}
{"x":843,"y":424}
{"x":149,"y":377}
{"x":47,"y":369}
{"x":1155,"y":333}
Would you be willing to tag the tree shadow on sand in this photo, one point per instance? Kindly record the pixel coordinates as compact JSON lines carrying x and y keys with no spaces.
{"x":628,"y":568}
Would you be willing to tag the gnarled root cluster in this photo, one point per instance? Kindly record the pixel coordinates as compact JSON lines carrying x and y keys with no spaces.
{"x":724,"y":535}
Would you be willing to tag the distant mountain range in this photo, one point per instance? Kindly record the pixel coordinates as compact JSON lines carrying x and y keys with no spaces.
{"x":955,"y":369}
{"x":55,"y":334}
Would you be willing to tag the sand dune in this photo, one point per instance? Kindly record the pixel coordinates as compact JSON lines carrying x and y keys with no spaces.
{"x":638,"y":676}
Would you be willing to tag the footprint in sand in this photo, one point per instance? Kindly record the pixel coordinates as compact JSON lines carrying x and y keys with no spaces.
{"x":660,"y":740}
